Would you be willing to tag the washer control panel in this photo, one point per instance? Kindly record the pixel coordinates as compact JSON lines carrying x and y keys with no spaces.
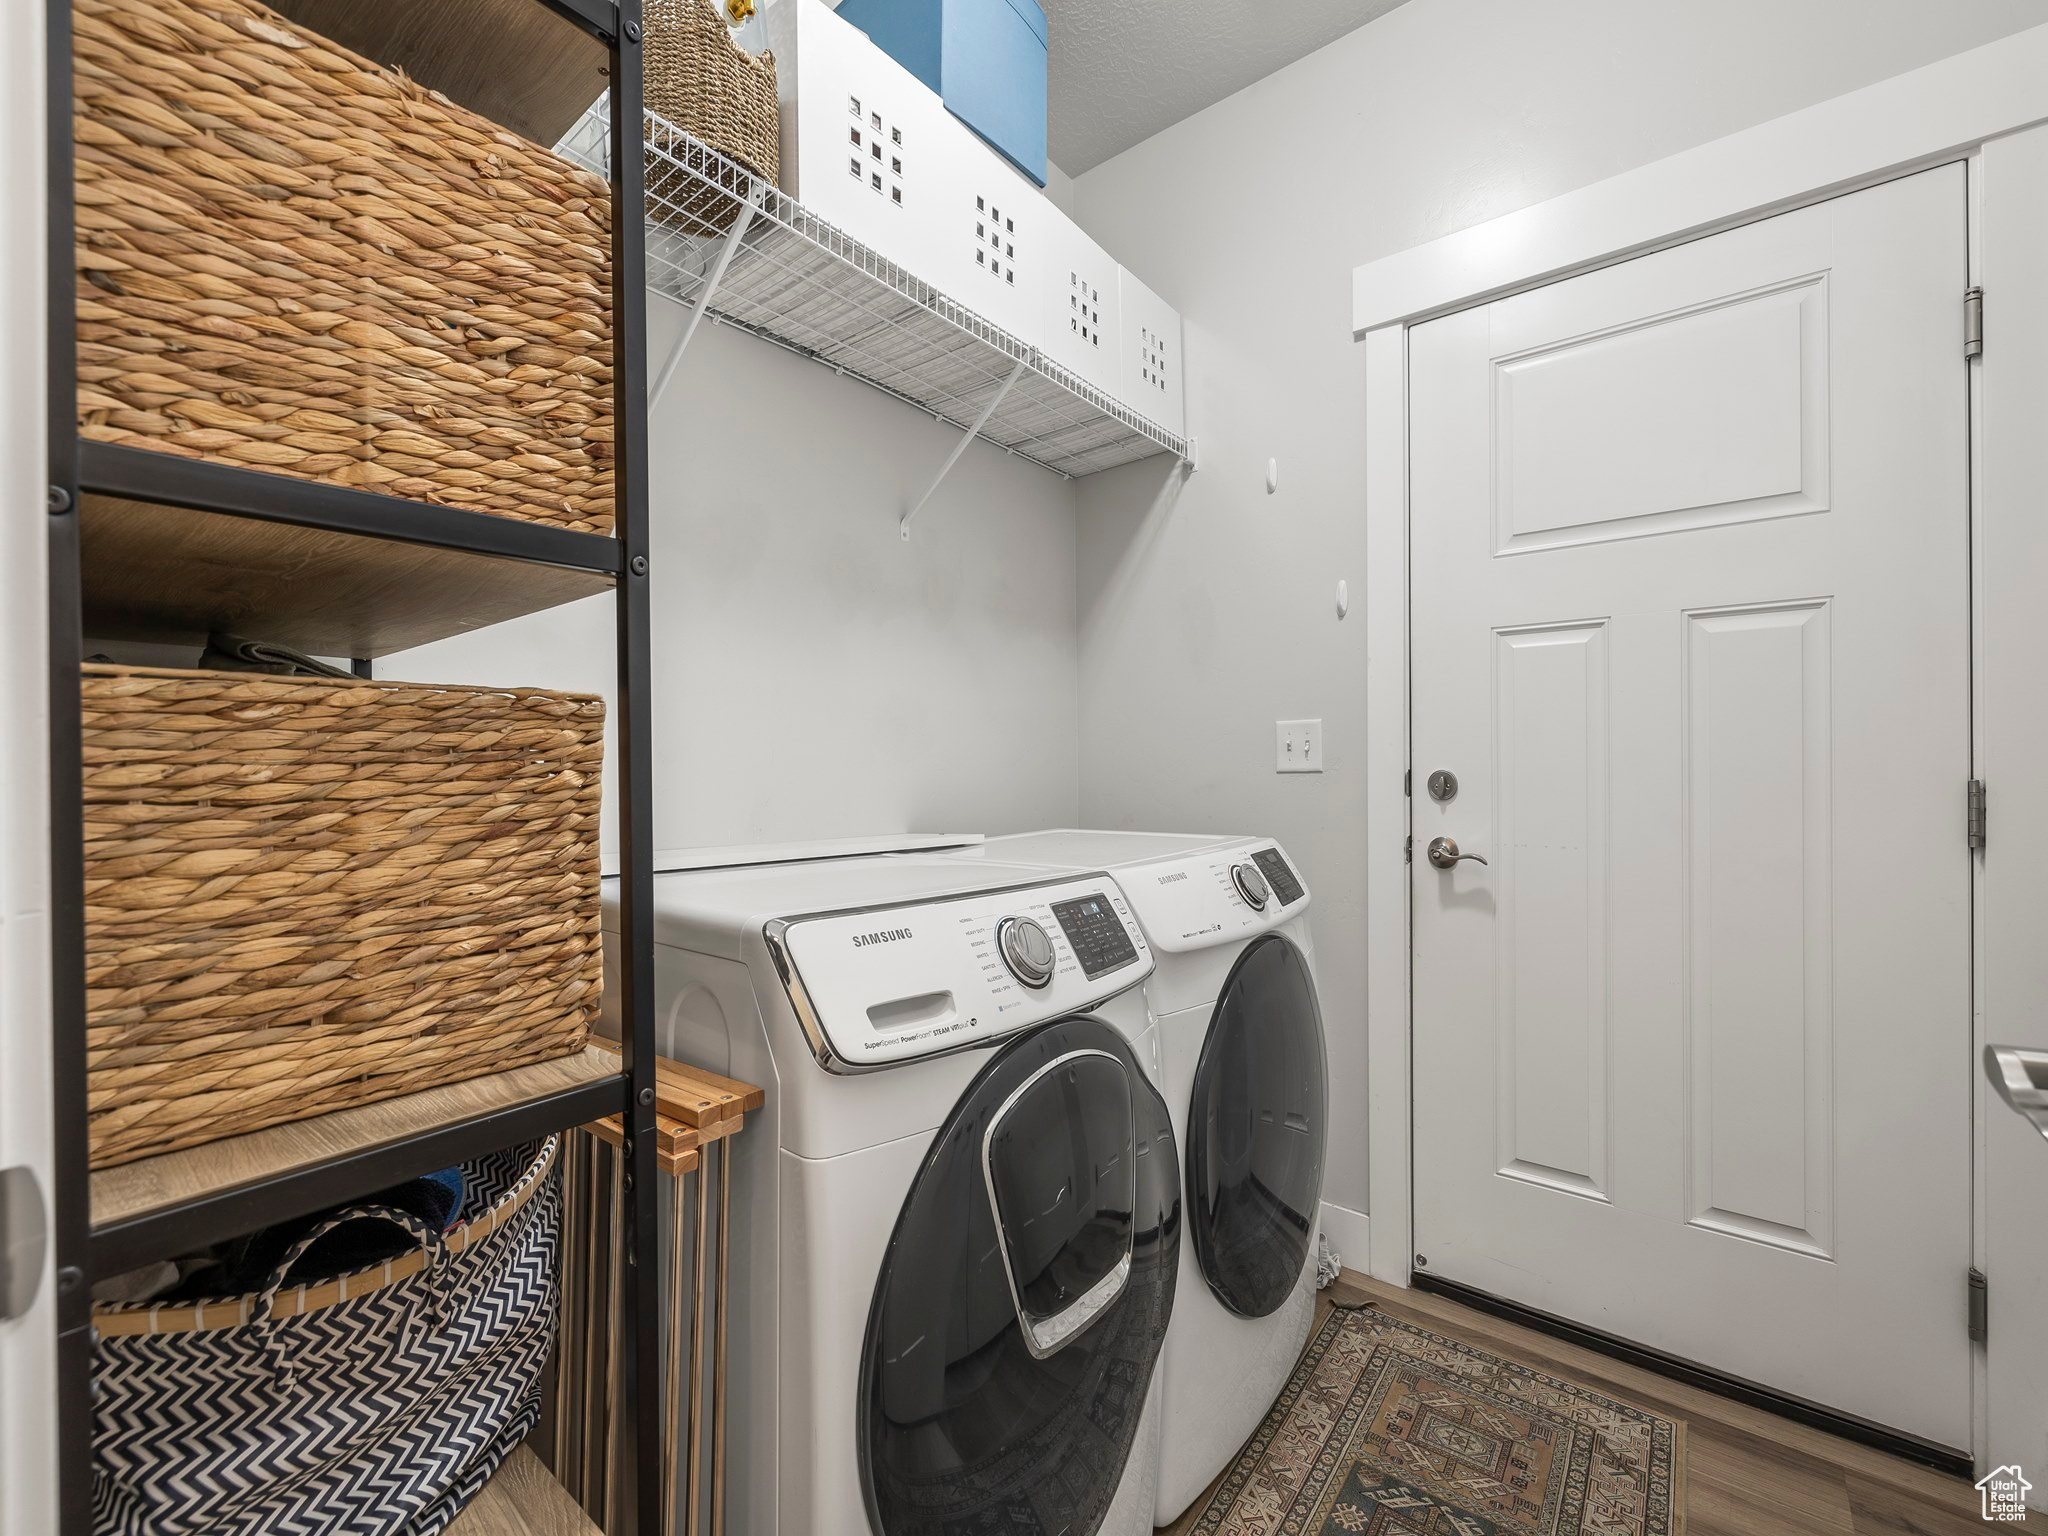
{"x":1214,"y":896}
{"x":883,"y":986}
{"x":1099,"y":932}
{"x":1279,"y":875}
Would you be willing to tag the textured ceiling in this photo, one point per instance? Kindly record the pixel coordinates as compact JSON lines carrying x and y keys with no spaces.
{"x":1124,"y":69}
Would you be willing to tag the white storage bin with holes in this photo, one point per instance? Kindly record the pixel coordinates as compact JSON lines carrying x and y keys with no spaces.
{"x":863,"y":139}
{"x":869,"y":148}
{"x":1081,"y":315}
{"x":1001,"y":236}
{"x":1150,"y":355}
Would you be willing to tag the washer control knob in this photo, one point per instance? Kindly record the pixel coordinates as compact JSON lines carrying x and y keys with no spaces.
{"x":1251,"y":885}
{"x":1026,"y":949}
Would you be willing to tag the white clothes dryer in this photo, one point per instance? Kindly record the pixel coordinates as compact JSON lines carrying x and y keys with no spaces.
{"x":1240,"y":1030}
{"x":955,"y":1221}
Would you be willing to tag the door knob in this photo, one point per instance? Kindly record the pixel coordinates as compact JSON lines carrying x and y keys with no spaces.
{"x":1443,"y":853}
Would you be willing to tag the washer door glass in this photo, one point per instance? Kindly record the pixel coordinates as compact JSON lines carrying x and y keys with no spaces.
{"x":1024,"y":1296}
{"x":1256,"y":1127}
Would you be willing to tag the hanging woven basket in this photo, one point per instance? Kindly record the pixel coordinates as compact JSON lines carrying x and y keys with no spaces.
{"x":376,"y":1404}
{"x":699,"y":79}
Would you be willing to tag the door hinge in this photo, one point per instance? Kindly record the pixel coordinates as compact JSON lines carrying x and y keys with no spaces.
{"x":1408,"y":852}
{"x":1980,"y":1307}
{"x":1973,"y":322}
{"x":1973,"y":818}
{"x":1408,"y":781}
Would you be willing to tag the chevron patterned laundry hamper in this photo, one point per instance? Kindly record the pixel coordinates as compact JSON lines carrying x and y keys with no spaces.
{"x":378,"y":1404}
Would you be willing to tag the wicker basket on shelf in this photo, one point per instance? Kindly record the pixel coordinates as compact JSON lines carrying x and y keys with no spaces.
{"x":290,"y":259}
{"x":304,"y":894}
{"x":699,"y":79}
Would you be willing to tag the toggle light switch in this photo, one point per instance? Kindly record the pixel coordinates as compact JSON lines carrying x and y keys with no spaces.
{"x":1297,"y":746}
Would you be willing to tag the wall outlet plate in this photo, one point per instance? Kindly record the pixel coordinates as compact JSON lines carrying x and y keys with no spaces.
{"x":1297,"y":746}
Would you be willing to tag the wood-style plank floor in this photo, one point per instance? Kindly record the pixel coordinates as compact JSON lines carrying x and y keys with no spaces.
{"x":1748,"y":1473}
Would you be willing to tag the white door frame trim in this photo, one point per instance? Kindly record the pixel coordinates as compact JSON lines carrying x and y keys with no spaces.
{"x":1945,"y":111}
{"x":1939,"y":112}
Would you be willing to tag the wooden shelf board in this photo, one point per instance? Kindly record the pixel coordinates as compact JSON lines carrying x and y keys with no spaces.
{"x":172,"y":574}
{"x":514,"y":61}
{"x":178,"y":1178}
{"x":523,"y":1499}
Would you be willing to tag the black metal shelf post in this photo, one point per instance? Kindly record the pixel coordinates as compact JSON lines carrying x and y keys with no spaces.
{"x":76,"y":467}
{"x":644,"y":1509}
{"x":71,"y":1194}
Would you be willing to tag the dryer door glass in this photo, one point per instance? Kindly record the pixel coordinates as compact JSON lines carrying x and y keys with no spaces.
{"x":1024,"y":1296}
{"x":1255,"y":1130}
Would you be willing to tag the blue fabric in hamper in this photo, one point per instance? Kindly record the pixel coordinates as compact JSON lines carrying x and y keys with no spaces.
{"x":379,"y":1416}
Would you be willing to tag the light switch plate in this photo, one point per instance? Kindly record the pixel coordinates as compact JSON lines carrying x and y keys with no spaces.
{"x":1297,"y":746}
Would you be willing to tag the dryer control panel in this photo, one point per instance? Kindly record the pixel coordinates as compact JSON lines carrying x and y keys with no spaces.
{"x":883,"y":986}
{"x":1215,"y":896}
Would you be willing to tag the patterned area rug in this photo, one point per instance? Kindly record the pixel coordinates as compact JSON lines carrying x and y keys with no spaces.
{"x":1389,"y":1430}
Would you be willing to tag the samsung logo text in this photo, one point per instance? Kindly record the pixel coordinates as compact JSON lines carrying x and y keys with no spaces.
{"x":880,"y":936}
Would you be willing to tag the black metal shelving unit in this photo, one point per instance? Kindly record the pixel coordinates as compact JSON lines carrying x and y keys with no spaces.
{"x":79,"y":470}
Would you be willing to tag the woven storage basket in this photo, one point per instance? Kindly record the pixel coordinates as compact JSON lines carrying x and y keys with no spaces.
{"x":305,"y":894}
{"x":292,"y":260}
{"x":376,"y":1404}
{"x":704,"y":83}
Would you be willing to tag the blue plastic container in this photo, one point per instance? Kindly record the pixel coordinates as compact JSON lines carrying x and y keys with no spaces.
{"x":985,"y":58}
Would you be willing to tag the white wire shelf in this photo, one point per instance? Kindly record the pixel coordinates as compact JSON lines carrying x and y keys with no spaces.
{"x":805,"y":285}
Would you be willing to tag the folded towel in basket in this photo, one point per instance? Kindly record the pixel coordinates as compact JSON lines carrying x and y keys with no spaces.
{"x":232,"y":653}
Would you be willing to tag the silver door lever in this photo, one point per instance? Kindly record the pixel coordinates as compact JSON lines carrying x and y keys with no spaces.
{"x":2021,"y":1078}
{"x":1443,"y":853}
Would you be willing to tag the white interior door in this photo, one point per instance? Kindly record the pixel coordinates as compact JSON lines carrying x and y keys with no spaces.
{"x":1691,"y":627}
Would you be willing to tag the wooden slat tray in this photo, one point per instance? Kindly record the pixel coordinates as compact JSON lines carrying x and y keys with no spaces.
{"x":698,"y":1098}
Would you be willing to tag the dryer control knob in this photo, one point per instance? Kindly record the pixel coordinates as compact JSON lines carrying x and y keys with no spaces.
{"x":1251,"y":885}
{"x":1026,"y":949}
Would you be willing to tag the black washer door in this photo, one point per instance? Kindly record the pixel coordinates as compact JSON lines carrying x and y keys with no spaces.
{"x":1024,"y":1296}
{"x":1256,"y":1127}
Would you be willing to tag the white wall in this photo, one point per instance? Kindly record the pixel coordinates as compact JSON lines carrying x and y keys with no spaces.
{"x":814,"y":675}
{"x":1208,"y":615}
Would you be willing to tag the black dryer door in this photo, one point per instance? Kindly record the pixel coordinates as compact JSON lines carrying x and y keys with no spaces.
{"x":1256,"y":1127}
{"x":1024,"y":1296}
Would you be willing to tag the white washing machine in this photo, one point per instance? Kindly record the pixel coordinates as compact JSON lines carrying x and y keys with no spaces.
{"x":1240,"y":1030}
{"x":955,"y":1230}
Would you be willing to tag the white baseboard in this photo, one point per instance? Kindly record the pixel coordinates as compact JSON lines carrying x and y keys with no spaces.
{"x":1347,"y":1231}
